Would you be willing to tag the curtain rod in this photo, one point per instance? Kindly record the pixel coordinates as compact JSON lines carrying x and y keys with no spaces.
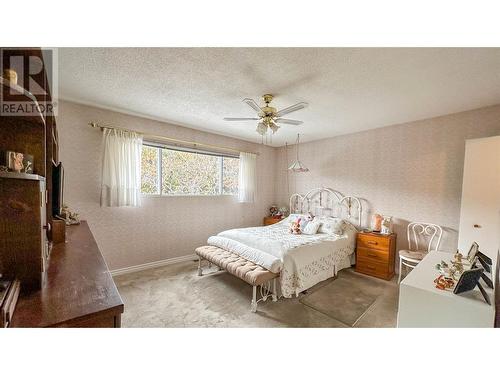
{"x":154,"y":136}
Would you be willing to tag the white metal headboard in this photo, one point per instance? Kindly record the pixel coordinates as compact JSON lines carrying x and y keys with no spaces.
{"x":325,"y":201}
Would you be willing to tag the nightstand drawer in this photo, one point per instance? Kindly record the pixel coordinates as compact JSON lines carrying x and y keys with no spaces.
{"x":375,"y":254}
{"x":372,"y":254}
{"x":372,"y":268}
{"x":271,"y":220}
{"x":373,"y":242}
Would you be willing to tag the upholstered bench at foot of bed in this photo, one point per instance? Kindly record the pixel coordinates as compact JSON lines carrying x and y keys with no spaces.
{"x":245,"y":270}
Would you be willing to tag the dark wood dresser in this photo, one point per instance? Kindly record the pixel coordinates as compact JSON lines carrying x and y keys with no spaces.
{"x":23,"y":242}
{"x":77,"y":291}
{"x":375,"y":254}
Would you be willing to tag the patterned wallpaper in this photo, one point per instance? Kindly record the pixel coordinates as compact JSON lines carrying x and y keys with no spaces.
{"x":411,"y":171}
{"x":162,"y":228}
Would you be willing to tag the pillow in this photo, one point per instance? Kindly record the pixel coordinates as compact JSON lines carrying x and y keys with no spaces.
{"x":332,"y":225}
{"x":312,"y":227}
{"x":349,"y":227}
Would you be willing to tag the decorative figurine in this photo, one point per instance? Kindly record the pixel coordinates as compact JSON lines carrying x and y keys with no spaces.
{"x":457,"y":266}
{"x":10,"y":75}
{"x":386,"y":225}
{"x":443,"y":282}
{"x":443,"y":268}
{"x":453,"y":271}
{"x":295,"y":227}
{"x":69,"y":216}
{"x":283,"y":211}
{"x":19,"y":162}
{"x":16,"y":161}
{"x":273,"y":211}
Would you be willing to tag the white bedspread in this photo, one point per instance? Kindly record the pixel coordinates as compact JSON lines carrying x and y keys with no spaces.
{"x":303,"y":260}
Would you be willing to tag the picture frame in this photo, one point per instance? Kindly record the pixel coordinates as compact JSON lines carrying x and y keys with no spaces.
{"x":471,"y":255}
{"x":468,"y":281}
{"x":487,"y":269}
{"x":484,"y":259}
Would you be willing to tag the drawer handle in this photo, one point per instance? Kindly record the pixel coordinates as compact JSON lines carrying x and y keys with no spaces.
{"x":372,"y":242}
{"x":371,"y":268}
{"x":372,"y":255}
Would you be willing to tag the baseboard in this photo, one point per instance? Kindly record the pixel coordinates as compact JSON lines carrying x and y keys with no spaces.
{"x":159,"y":263}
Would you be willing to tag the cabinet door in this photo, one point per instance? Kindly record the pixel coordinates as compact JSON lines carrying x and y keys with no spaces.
{"x":480,"y":206}
{"x":21,"y":205}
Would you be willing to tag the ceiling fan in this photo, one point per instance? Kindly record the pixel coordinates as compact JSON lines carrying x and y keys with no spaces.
{"x":269,"y":117}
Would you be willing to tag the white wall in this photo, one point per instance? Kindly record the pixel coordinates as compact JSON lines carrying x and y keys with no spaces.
{"x":411,"y":171}
{"x":162,"y":228}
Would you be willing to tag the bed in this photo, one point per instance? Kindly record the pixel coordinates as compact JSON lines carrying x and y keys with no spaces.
{"x":302,"y":260}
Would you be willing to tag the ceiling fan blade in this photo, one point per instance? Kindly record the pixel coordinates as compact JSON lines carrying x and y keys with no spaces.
{"x":240,"y":118}
{"x":292,"y":108}
{"x":252,"y":104}
{"x":288,"y":121}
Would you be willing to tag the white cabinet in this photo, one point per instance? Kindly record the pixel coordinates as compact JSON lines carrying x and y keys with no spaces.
{"x":480,"y":206}
{"x":422,"y":305}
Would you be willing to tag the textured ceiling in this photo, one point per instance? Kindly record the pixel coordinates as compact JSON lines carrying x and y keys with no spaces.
{"x":348,"y":89}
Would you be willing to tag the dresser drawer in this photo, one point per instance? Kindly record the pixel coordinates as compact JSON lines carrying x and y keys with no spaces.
{"x":373,"y":242}
{"x":376,"y":269}
{"x":372,"y":255}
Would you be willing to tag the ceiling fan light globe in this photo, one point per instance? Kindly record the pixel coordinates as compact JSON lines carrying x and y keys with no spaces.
{"x":273,"y":127}
{"x":261,"y":128}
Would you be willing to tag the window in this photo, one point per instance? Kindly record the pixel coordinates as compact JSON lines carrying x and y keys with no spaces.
{"x":172,"y":171}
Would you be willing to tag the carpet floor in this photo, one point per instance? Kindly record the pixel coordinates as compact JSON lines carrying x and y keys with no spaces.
{"x":174,"y":296}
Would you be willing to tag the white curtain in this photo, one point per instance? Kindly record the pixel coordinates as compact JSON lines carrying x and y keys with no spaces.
{"x":121,"y":168}
{"x":247,"y":177}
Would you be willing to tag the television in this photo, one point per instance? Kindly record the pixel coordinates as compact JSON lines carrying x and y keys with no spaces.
{"x":57,"y":189}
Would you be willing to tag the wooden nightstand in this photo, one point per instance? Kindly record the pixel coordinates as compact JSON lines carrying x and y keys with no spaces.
{"x":375,"y":254}
{"x":268,"y":220}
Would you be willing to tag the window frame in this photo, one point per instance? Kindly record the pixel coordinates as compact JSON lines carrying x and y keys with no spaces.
{"x":159,"y":169}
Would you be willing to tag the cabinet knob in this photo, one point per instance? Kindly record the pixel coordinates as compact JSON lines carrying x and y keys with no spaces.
{"x":477,"y":226}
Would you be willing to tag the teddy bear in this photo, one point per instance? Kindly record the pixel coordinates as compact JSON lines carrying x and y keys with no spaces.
{"x":295,"y":227}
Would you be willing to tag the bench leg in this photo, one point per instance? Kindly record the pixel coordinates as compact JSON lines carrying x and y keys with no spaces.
{"x":253,"y":305}
{"x":275,"y":293}
{"x":200,"y":271}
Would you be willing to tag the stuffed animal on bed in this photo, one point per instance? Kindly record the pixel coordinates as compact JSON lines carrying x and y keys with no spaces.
{"x":295,"y":226}
{"x":307,"y":220}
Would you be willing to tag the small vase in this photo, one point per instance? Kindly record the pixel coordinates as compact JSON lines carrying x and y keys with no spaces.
{"x":377,"y":222}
